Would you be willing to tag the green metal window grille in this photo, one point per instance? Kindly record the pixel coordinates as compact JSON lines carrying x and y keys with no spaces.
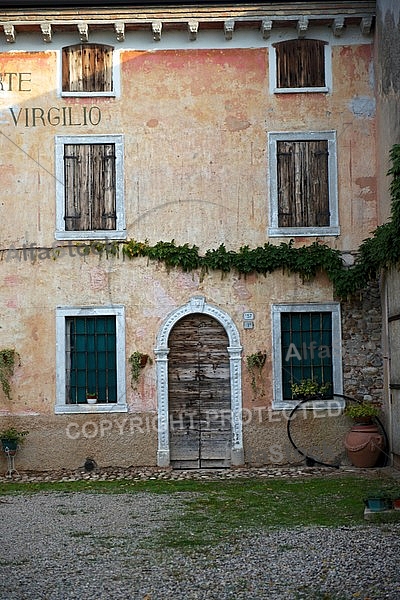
{"x":306,"y":339}
{"x":91,"y":359}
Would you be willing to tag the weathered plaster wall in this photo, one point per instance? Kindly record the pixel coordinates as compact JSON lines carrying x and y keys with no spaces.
{"x":195,"y":126}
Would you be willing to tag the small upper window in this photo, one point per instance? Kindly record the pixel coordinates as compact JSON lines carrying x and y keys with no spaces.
{"x":87,"y":69}
{"x":300,"y":65}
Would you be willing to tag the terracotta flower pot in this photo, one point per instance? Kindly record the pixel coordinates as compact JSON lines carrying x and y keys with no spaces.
{"x":364,"y":444}
{"x":396,"y":504}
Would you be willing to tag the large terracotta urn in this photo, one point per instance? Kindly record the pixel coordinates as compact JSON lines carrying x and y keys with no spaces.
{"x":364,"y":444}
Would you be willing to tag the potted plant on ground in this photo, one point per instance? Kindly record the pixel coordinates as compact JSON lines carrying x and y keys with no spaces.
{"x":12,"y":438}
{"x":364,"y":442}
{"x":362,"y":412}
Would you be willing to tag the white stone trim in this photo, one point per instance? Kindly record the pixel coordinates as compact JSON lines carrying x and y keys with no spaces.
{"x":276,"y":311}
{"x":274,"y":230}
{"x":62,"y":312}
{"x":115,"y":234}
{"x":198,"y":304}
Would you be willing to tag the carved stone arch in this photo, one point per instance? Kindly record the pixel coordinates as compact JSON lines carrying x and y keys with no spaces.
{"x":198,"y":304}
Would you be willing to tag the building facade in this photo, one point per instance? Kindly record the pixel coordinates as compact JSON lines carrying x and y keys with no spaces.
{"x":171,"y":179}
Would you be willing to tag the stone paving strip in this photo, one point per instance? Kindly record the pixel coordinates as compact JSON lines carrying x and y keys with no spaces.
{"x":153,"y":473}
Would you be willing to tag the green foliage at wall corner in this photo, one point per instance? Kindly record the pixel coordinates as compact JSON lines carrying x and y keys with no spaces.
{"x":380,"y":251}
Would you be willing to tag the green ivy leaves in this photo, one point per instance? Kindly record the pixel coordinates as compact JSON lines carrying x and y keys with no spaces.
{"x":380,"y":251}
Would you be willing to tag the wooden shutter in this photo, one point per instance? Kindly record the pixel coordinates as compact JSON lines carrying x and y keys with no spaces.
{"x":300,"y":63}
{"x":303,"y":185}
{"x":90,"y":197}
{"x":87,"y":68}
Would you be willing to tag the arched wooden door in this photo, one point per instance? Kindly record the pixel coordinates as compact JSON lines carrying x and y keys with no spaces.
{"x":199,"y":394}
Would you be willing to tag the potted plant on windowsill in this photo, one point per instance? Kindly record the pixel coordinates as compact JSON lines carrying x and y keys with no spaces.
{"x":91,"y":397}
{"x":309,"y":389}
{"x":364,"y":442}
{"x":12,"y":438}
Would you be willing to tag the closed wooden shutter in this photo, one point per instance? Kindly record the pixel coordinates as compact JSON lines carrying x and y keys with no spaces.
{"x":87,"y":68}
{"x":300,"y":63}
{"x":90,"y":191}
{"x":303,"y":184}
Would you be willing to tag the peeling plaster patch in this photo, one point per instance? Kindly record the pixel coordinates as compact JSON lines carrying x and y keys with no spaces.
{"x":141,"y":333}
{"x":362,"y":107}
{"x":98,"y":279}
{"x":367,"y":187}
{"x":12,"y":303}
{"x":185,"y":281}
{"x":162,"y":302}
{"x":11,"y":280}
{"x":236,"y":124}
{"x":240,"y":290}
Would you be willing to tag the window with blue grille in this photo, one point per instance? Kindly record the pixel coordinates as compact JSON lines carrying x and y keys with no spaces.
{"x":91,"y":359}
{"x":306,"y":344}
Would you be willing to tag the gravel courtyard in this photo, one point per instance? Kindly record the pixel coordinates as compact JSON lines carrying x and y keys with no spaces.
{"x":58,"y":546}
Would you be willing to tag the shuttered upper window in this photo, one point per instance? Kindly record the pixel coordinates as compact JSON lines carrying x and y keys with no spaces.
{"x":303,"y":184}
{"x":90,"y":187}
{"x":300,"y":65}
{"x":87,"y":69}
{"x":303,"y":192}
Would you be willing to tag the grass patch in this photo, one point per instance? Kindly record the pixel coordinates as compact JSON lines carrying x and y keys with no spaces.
{"x":212,"y":511}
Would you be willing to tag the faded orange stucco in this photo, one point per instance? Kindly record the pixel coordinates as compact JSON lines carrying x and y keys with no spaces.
{"x":195,"y":126}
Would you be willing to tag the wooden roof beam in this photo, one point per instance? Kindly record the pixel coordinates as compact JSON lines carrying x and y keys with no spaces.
{"x":193,"y":28}
{"x":302,"y":27}
{"x":229,"y":26}
{"x":119,"y":28}
{"x":9,"y":32}
{"x":366,"y":25}
{"x":338,"y":26}
{"x":266,"y":27}
{"x":45,"y":28}
{"x":156,"y":28}
{"x":83,"y":29}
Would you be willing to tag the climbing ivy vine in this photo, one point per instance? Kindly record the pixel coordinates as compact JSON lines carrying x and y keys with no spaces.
{"x":380,"y":251}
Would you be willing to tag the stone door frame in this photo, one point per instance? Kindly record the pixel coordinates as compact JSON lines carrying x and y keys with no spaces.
{"x":198,"y":305}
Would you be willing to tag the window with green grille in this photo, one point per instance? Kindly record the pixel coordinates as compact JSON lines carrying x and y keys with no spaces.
{"x":91,"y":362}
{"x":306,"y":346}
